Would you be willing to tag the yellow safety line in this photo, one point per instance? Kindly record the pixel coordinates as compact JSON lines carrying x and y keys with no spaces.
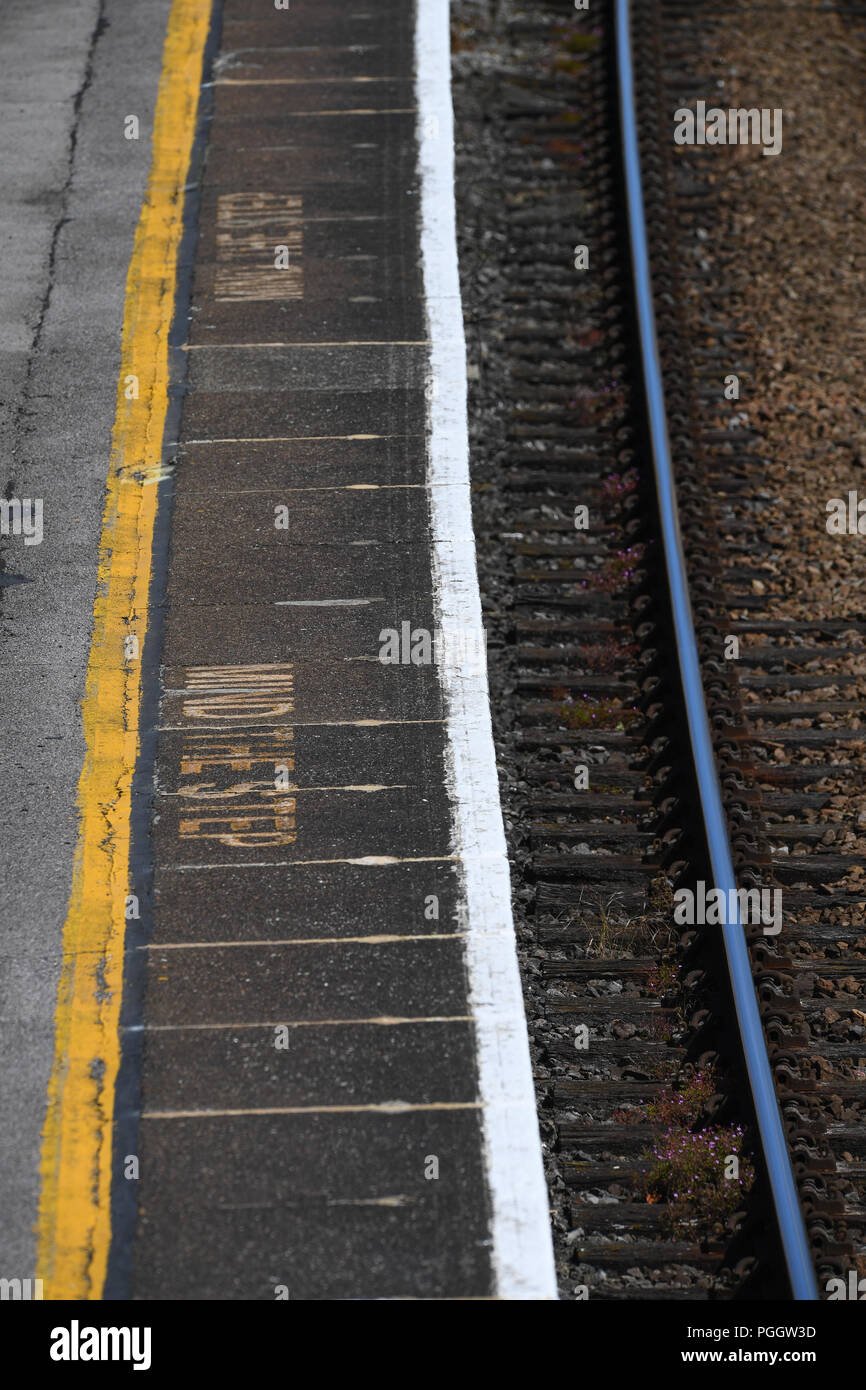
{"x":74,"y":1226}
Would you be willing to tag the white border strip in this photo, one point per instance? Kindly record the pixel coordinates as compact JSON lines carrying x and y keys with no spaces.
{"x":522,"y":1250}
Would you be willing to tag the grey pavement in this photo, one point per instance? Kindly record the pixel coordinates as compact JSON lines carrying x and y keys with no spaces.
{"x":72,"y":188}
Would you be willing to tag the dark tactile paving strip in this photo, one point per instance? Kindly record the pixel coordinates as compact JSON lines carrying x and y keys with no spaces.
{"x":232,"y":903}
{"x":323,"y":1206}
{"x":309,"y":1102}
{"x":325,"y":826}
{"x":362,"y":279}
{"x":256,"y":414}
{"x":380,"y":461}
{"x":326,"y":195}
{"x":362,"y":757}
{"x":329,"y":26}
{"x":292,"y":96}
{"x":293,"y":1065}
{"x":351,"y":574}
{"x":250,"y":983}
{"x":314,"y":516}
{"x":327,"y":236}
{"x":393,"y":318}
{"x":364,"y":60}
{"x":317,"y":692}
{"x":363,"y":367}
{"x":260,"y":632}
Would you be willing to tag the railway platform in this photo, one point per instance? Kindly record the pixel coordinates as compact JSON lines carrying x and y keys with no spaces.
{"x":300,"y":1067}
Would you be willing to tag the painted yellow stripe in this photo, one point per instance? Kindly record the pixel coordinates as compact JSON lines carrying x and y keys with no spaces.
{"x":74,"y":1215}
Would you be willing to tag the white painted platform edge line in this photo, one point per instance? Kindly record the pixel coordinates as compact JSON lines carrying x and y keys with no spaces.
{"x":521,"y":1246}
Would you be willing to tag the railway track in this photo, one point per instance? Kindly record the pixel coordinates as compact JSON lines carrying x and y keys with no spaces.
{"x":658,"y":1060}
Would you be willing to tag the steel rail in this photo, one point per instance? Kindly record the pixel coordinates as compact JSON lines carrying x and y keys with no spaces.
{"x":772,"y":1135}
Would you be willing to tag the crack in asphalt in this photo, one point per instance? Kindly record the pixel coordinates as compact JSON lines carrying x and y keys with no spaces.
{"x":21,"y":411}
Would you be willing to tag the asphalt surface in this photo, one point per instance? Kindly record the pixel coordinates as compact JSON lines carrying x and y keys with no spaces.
{"x":347,"y":1162}
{"x":72,"y":192}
